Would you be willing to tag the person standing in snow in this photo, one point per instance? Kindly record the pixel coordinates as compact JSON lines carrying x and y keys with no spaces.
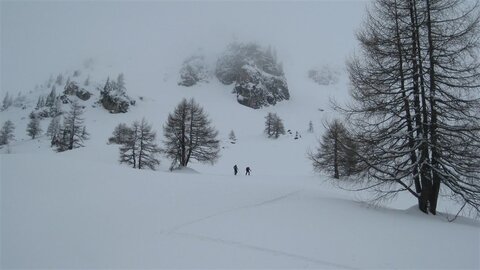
{"x":235,"y":169}
{"x":247,"y":171}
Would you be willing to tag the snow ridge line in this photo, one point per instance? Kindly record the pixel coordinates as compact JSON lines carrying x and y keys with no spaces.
{"x":174,"y":229}
{"x":263,"y":249}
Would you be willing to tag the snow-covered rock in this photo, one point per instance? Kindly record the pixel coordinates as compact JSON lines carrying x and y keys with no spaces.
{"x":324,"y":75}
{"x":194,"y":70}
{"x":72,"y":89}
{"x":113,"y":96}
{"x":258,"y":77}
{"x":256,"y":88}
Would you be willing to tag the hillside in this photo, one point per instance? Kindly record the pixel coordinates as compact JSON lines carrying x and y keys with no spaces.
{"x":82,"y":209}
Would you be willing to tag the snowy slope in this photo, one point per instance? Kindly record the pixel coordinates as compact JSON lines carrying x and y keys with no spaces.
{"x":81,"y":209}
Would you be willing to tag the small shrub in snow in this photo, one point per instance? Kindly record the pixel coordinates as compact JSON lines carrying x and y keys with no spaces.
{"x":232,"y":137}
{"x":310,"y":127}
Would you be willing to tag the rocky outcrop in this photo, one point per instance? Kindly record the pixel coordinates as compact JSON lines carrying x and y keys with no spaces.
{"x":72,"y":89}
{"x":258,"y":77}
{"x":113,"y":97}
{"x":324,"y":75}
{"x":256,"y":88}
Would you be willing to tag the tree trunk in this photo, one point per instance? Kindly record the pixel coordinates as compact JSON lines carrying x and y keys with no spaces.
{"x":335,"y":156}
{"x":433,"y":110}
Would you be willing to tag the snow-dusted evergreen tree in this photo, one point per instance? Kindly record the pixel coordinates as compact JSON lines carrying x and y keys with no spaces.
{"x":50,"y":81}
{"x":310,"y":127}
{"x":269,"y":120}
{"x":40,"y":102}
{"x":72,"y":133}
{"x":273,"y":126}
{"x":59,"y":80}
{"x":232,"y":137}
{"x":189,"y":135}
{"x":33,"y":127}
{"x":53,"y":129}
{"x":7,"y":101}
{"x":6,"y":133}
{"x":121,"y":134}
{"x":278,"y":128}
{"x":50,"y":100}
{"x":336,"y":153}
{"x":56,"y":108}
{"x":139,"y":149}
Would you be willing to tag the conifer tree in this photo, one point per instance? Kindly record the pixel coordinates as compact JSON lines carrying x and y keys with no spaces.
{"x":336,"y":152}
{"x":232,"y":137}
{"x":53,"y":129}
{"x":269,"y":122}
{"x":72,"y":133}
{"x":189,"y":135}
{"x":50,"y":100}
{"x":273,"y":126}
{"x":6,"y":133}
{"x":139,"y":149}
{"x":40,"y":102}
{"x":59,"y":79}
{"x":7,"y":101}
{"x":33,"y":127}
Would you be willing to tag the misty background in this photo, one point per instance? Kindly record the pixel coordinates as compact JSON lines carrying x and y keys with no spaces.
{"x":149,"y":40}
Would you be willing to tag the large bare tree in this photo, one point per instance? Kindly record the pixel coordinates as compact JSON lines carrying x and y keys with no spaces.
{"x":189,"y":135}
{"x":415,"y":86}
{"x":138,"y":145}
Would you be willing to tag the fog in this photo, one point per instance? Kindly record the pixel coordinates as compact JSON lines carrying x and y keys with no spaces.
{"x":43,"y":38}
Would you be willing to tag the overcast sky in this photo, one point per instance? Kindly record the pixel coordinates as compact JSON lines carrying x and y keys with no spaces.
{"x":42,"y":38}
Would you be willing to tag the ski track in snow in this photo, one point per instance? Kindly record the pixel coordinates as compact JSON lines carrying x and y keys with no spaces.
{"x":263,"y":249}
{"x":174,"y":232}
{"x":228,"y":211}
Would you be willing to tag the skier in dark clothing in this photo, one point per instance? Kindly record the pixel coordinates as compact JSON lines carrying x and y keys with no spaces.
{"x":247,"y":171}
{"x":235,"y":169}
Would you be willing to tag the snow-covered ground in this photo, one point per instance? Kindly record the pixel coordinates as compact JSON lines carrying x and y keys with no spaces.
{"x":71,"y":210}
